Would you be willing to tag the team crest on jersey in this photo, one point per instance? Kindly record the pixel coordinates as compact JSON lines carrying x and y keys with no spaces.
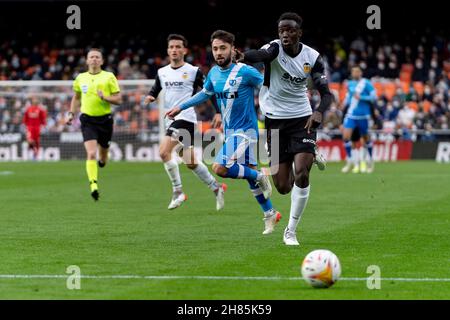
{"x":307,"y":67}
{"x":232,"y":82}
{"x":84,"y":88}
{"x":185,"y":75}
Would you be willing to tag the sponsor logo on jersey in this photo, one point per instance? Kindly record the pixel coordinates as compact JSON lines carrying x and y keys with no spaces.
{"x":308,"y":141}
{"x":296,"y":80}
{"x":227,"y":95}
{"x":307,"y":67}
{"x":173,"y":83}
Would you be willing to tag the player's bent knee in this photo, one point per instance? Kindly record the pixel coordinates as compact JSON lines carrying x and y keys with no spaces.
{"x":347,"y":135}
{"x":191,"y":166}
{"x":165,"y":155}
{"x":302,"y":177}
{"x":220,"y":170}
{"x":283,"y":188}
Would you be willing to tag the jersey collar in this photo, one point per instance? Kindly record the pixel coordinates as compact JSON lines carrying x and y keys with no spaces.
{"x":177,"y":67}
{"x":227,"y":69}
{"x":94,"y":74}
{"x":300,"y":48}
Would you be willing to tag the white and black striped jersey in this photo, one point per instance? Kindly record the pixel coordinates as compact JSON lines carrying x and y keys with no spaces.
{"x":284,"y":92}
{"x":179,"y":84}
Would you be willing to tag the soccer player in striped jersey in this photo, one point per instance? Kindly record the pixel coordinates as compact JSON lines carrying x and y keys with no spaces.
{"x":283,"y":100}
{"x":180,"y":81}
{"x":233,"y":85}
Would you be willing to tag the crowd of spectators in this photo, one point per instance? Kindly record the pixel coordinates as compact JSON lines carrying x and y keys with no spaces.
{"x":412,"y":73}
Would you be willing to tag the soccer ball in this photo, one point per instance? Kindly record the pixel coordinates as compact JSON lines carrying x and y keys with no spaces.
{"x":321,"y":268}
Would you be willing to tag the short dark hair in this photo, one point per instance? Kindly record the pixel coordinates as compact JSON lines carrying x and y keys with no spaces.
{"x":95,"y":49}
{"x":291,"y":16}
{"x":175,"y":36}
{"x":224,"y":36}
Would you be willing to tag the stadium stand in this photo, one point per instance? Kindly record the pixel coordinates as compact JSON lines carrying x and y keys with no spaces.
{"x":411,"y":81}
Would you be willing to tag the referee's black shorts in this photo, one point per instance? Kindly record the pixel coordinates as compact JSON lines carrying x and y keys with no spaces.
{"x":97,"y":128}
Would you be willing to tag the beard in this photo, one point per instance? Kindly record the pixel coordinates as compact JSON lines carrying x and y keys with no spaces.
{"x":225,"y":62}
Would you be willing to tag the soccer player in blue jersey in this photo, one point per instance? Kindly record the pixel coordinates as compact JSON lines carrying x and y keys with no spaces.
{"x":359,"y":102}
{"x":233,"y":85}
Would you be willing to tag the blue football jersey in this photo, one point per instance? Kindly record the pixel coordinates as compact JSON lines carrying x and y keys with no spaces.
{"x":360,"y":108}
{"x":234,"y":91}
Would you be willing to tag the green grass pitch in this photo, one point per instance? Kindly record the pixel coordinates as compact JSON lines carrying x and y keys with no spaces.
{"x":397,"y":218}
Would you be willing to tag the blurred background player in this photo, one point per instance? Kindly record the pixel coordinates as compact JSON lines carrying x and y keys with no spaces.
{"x":180,"y":81}
{"x":34,"y":117}
{"x":233,"y":86}
{"x":358,"y":103}
{"x":356,"y":152}
{"x":287,"y":109}
{"x":95,"y":91}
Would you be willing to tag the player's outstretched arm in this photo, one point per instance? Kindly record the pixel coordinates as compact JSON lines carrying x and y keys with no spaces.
{"x":266,"y":54}
{"x":172,"y":113}
{"x":239,"y":56}
{"x":199,"y":97}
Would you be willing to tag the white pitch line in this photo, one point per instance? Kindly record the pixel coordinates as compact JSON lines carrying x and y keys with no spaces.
{"x":59,"y":276}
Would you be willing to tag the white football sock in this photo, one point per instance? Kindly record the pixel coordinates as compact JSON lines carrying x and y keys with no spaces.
{"x":299,"y":199}
{"x":173,"y":171}
{"x":364,"y":153}
{"x":201,"y":171}
{"x":350,"y":159}
{"x":355,"y":157}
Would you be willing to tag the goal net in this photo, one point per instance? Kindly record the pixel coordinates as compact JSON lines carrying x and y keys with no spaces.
{"x":137,"y":127}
